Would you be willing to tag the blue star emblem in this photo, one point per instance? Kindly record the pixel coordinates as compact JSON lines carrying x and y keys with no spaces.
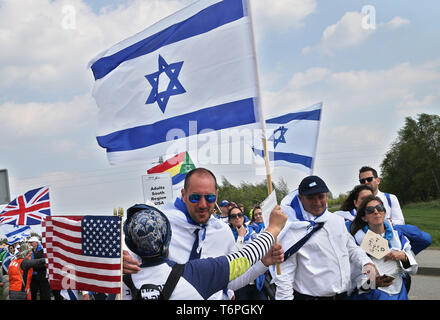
{"x":280,"y":138}
{"x":174,"y":86}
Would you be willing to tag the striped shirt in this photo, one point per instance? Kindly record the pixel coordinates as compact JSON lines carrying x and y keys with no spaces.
{"x":201,"y":277}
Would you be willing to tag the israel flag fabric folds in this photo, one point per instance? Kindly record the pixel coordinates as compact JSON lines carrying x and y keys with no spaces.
{"x":292,"y":139}
{"x":18,"y":234}
{"x":190,"y":73}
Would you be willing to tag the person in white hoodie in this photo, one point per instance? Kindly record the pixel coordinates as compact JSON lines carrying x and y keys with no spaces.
{"x":197,"y":233}
{"x":148,"y":233}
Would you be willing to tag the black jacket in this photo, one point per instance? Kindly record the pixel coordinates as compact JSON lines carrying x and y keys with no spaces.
{"x":40,"y":272}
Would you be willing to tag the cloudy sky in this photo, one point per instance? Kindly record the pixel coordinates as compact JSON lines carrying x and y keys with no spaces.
{"x":372,"y":63}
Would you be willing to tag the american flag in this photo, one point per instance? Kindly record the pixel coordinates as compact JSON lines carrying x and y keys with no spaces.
{"x":83,"y":252}
{"x":27,"y":209}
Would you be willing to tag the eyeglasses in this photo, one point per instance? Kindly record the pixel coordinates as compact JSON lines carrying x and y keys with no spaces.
{"x":195,"y":197}
{"x":236,"y":215}
{"x":369,"y":179}
{"x":370,"y":209}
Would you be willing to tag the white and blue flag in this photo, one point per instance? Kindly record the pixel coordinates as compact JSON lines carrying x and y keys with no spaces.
{"x":191,"y":73}
{"x":18,"y":234}
{"x":292,"y":139}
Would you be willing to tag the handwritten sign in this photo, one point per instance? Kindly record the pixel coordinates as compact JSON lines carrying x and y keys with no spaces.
{"x":267,"y":206}
{"x":375,"y":245}
{"x":157,"y":188}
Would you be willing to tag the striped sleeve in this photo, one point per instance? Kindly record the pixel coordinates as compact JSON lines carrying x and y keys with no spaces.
{"x":254,"y":251}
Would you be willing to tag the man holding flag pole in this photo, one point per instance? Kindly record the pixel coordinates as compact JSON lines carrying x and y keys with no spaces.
{"x":191,"y":73}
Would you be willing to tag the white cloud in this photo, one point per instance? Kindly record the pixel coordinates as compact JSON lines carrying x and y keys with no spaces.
{"x":310,"y":76}
{"x":280,"y":14}
{"x":23,"y":121}
{"x":397,"y":22}
{"x":46,"y":45}
{"x":350,"y":31}
{"x":358,"y":101}
{"x":346,"y":32}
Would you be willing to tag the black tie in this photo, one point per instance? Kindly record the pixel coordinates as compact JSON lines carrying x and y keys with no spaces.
{"x":194,"y":254}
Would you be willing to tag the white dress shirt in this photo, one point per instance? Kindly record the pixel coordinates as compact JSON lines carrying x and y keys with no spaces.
{"x":322,"y":267}
{"x":393,"y":213}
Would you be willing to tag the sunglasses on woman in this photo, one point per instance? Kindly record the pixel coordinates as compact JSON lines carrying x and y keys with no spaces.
{"x":195,"y":197}
{"x":370,"y":209}
{"x":236,"y":215}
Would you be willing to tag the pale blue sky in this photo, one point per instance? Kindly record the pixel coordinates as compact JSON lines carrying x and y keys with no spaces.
{"x":308,"y":51}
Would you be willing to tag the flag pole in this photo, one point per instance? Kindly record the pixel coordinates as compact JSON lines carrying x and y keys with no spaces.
{"x":218,"y":208}
{"x":260,"y":113}
{"x":120,"y":214}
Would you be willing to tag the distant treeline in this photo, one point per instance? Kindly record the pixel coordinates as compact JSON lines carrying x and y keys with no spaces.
{"x":411,"y":168}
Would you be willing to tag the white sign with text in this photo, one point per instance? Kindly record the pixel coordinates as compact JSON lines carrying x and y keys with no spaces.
{"x":157,"y":188}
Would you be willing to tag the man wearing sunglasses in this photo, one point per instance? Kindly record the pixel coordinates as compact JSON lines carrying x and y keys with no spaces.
{"x":419,"y":240}
{"x":368,"y":176}
{"x":198,"y":234}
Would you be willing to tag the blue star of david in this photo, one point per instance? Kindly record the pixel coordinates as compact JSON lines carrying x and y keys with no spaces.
{"x":281,"y":138}
{"x":174,"y":87}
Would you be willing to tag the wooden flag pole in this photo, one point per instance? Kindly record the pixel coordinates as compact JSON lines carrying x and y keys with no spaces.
{"x":120,"y":214}
{"x":269,"y":186}
{"x":260,"y":112}
{"x":218,"y":208}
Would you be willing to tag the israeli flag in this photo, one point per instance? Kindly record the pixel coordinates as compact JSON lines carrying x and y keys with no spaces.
{"x":191,"y":73}
{"x":292,"y":139}
{"x":7,"y":260}
{"x":18,"y":234}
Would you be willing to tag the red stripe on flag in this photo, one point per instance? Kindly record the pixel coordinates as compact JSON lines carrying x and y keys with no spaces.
{"x":63,"y":257}
{"x":64,"y":247}
{"x":87,"y":275}
{"x":63,"y":225}
{"x":86,"y":264}
{"x":168,"y":164}
{"x":41,"y":195}
{"x":66,"y":237}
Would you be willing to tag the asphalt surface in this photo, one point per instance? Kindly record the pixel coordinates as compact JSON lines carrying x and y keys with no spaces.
{"x":425,"y":285}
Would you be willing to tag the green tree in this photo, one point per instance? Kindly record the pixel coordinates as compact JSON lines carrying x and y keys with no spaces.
{"x":411,"y":168}
{"x":250,"y":194}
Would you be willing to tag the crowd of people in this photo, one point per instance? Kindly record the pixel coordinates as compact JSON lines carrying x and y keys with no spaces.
{"x":199,"y":247}
{"x":321,"y":255}
{"x":24,"y":274}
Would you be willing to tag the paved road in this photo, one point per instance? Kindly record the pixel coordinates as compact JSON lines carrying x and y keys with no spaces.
{"x":426,"y":284}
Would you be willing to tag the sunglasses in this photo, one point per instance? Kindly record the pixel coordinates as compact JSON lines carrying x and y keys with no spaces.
{"x":370,"y":209}
{"x":236,"y":215}
{"x":195,"y":197}
{"x":369,"y":179}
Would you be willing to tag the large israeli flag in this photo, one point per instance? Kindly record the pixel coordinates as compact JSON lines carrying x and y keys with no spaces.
{"x":292,"y":139}
{"x":191,"y":73}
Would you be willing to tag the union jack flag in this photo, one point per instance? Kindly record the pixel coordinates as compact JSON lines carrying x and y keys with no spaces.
{"x":27,"y":209}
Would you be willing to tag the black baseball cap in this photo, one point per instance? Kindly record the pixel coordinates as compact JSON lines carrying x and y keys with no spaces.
{"x":312,"y":185}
